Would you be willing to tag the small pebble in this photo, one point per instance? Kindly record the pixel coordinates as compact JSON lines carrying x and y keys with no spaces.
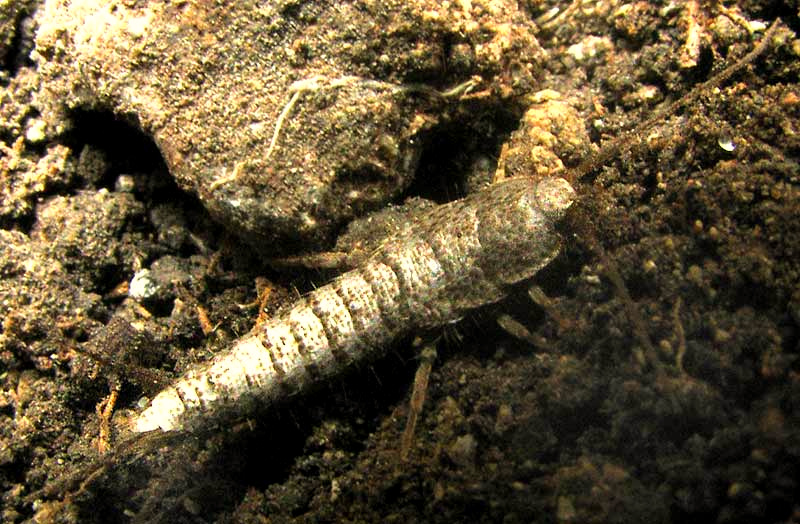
{"x":36,"y":131}
{"x":142,"y":285}
{"x":124,"y":184}
{"x":462,"y":451}
{"x":726,"y":143}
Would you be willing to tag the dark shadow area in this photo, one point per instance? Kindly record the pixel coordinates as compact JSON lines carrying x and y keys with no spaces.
{"x":18,"y":53}
{"x":126,"y":149}
{"x":461,"y":156}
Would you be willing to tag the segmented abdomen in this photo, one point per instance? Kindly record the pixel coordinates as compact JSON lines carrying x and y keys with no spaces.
{"x":453,"y":258}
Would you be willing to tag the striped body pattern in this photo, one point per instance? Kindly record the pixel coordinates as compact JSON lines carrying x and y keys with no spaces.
{"x":454,"y":258}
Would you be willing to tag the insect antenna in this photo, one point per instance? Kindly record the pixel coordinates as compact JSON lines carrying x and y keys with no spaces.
{"x":628,"y":143}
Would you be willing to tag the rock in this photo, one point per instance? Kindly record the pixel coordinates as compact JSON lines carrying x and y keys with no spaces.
{"x":84,"y":232}
{"x":157,"y":287}
{"x":551,"y":134}
{"x":462,"y":451}
{"x":285,"y":118}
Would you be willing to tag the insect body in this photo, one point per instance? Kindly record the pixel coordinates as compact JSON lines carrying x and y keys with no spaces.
{"x":454,"y":258}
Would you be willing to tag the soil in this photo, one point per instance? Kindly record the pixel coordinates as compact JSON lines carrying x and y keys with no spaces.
{"x":654,"y":377}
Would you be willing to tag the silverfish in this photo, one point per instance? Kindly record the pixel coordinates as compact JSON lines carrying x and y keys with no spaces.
{"x":454,"y":258}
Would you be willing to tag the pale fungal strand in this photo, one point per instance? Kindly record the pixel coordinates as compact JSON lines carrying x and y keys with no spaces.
{"x":316,"y":83}
{"x":454,"y":258}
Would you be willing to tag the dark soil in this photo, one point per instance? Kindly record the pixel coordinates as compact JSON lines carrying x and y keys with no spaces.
{"x":684,"y":411}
